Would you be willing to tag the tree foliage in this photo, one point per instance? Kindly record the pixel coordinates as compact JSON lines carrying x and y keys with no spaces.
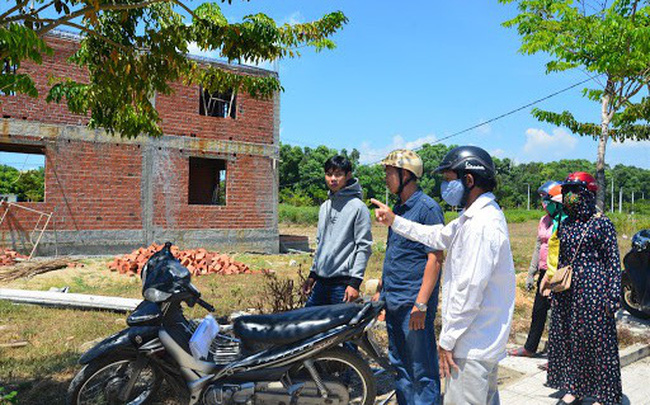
{"x":302,"y":178}
{"x":133,"y":49}
{"x":608,"y":40}
{"x":28,"y":185}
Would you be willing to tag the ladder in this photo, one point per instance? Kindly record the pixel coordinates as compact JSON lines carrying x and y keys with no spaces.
{"x":40,"y":227}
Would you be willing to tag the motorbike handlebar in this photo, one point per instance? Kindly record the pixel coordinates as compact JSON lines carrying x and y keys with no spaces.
{"x":205,"y":305}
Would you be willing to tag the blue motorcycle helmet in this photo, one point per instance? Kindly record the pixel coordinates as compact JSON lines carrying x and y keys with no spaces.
{"x":545,"y":189}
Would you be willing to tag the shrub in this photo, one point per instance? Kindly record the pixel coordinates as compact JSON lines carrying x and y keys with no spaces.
{"x":7,"y":398}
{"x":298,"y":215}
{"x":281,"y":294}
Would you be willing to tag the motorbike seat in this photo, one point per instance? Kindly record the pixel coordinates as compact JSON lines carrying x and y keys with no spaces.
{"x":291,"y":326}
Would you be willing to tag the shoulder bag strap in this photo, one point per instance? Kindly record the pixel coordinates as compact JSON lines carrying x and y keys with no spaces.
{"x":575,"y":254}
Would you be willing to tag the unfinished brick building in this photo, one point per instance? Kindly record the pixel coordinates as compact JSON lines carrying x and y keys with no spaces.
{"x":210,"y":180}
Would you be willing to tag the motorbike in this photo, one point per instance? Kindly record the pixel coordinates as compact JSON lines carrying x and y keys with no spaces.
{"x":635,"y":291}
{"x":290,"y":358}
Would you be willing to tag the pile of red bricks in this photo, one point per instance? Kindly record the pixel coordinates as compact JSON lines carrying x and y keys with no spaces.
{"x":9,"y":257}
{"x":197,"y":261}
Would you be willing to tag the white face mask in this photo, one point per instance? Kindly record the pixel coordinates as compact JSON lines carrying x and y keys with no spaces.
{"x":452,"y":192}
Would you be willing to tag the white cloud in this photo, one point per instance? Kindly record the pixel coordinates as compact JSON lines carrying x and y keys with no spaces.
{"x":370,"y":154}
{"x":631,"y":144}
{"x":294,"y":18}
{"x":193,"y":49}
{"x":500,"y":153}
{"x":543,"y":146}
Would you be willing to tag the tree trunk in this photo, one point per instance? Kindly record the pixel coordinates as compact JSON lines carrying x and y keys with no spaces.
{"x":602,"y":144}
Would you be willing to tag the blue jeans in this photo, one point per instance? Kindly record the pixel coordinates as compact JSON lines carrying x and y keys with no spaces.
{"x":414,"y":355}
{"x":329,"y":294}
{"x":326,"y":294}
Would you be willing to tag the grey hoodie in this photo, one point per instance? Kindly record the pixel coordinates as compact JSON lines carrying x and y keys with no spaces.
{"x":343,"y":240}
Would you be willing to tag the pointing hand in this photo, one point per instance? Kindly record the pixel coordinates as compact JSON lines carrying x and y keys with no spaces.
{"x":383,"y":213}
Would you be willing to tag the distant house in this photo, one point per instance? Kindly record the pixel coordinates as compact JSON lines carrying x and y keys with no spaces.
{"x":210,"y":180}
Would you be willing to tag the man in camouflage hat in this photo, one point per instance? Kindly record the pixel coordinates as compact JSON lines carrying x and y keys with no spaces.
{"x":409,"y":286}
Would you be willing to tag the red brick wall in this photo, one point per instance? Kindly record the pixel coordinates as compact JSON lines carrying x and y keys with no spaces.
{"x":89,"y":186}
{"x":97,"y":186}
{"x":249,"y":181}
{"x":180,"y":115}
{"x":37,"y":109}
{"x":179,"y":112}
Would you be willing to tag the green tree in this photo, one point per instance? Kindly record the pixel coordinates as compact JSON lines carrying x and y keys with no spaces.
{"x":133,"y":49}
{"x":8,"y":176}
{"x":605,"y":39}
{"x":30,"y":186}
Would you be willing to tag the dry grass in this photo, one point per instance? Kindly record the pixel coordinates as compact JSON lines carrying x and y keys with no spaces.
{"x":41,"y":370}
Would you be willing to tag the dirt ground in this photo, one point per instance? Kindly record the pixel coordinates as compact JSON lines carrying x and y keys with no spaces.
{"x":41,"y":370}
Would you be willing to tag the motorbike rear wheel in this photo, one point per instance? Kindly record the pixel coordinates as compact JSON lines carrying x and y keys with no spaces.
{"x":103,"y":380}
{"x":342,"y":366}
{"x":630,"y":301}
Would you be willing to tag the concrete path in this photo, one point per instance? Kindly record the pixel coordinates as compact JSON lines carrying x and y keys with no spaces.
{"x":530,"y":389}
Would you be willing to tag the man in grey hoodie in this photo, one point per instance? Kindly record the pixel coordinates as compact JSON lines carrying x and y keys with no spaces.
{"x":343,"y":239}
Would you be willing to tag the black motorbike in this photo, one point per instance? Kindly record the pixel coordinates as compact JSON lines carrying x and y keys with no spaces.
{"x":635,"y":291}
{"x":290,"y":358}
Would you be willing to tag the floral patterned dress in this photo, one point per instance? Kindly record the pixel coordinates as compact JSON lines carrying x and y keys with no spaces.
{"x":583,"y":346}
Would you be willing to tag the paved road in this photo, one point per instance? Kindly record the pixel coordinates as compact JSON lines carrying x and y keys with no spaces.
{"x":530,"y":390}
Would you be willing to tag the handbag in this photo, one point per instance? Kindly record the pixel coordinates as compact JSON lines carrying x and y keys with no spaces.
{"x":561,"y":280}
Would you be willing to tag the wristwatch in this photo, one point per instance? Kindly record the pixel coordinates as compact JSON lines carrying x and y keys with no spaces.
{"x":421,"y":307}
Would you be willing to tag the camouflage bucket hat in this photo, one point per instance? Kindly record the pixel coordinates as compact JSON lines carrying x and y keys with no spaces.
{"x":405,"y":159}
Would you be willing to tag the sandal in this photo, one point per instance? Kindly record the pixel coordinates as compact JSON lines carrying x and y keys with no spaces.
{"x":520,"y":352}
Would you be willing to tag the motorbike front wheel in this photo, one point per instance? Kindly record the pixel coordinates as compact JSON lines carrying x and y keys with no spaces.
{"x":631,"y":302}
{"x":103,"y":380}
{"x":343,"y":368}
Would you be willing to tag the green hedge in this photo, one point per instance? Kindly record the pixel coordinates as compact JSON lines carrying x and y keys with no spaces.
{"x":625,"y":223}
{"x":289,"y":214}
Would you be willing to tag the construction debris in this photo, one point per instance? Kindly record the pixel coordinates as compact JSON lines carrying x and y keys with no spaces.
{"x":68,"y":300}
{"x":13,"y":345}
{"x":197,"y":261}
{"x":9,"y":257}
{"x":30,"y":269}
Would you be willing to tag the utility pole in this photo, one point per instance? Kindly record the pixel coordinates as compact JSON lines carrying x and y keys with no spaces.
{"x":620,"y":200}
{"x":528,"y":193}
{"x":632,"y":199}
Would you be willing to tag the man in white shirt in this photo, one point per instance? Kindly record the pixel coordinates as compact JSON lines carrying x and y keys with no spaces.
{"x":478,"y":289}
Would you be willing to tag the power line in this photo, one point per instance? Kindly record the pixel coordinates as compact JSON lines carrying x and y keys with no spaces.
{"x":532,"y":103}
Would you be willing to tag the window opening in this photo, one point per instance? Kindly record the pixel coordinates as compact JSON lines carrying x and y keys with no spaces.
{"x":207,"y":182}
{"x":218,"y":104}
{"x":22,"y":173}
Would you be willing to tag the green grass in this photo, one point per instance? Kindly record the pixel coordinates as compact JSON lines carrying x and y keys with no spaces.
{"x":297,"y":215}
{"x":41,"y":371}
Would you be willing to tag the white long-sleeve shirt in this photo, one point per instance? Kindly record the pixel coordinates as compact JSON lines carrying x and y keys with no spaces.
{"x":478,"y":290}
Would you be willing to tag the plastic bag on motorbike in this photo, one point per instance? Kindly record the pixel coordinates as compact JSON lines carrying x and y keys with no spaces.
{"x":203,"y":337}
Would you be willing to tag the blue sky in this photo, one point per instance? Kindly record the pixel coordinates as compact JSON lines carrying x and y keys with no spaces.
{"x":409,"y":72}
{"x":405,"y":73}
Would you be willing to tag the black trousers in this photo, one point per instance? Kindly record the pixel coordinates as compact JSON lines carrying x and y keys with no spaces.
{"x":540,"y":310}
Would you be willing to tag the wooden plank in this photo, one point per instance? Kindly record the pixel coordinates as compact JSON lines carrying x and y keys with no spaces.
{"x":67,"y":300}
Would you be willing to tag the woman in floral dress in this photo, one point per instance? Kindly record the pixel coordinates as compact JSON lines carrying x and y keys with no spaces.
{"x":583,"y":347}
